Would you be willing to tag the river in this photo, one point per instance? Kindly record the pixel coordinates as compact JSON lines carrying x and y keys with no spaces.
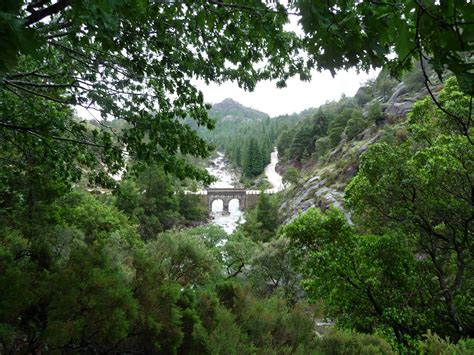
{"x":228,"y":178}
{"x":273,"y":177}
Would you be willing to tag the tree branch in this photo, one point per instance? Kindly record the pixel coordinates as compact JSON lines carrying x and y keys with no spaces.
{"x":427,"y":80}
{"x":32,"y":131}
{"x":46,"y":12}
{"x":235,"y":273}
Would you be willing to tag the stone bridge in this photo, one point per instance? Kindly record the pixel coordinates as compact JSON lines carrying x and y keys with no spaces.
{"x":246,"y":198}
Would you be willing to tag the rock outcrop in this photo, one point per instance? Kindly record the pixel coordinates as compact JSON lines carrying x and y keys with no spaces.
{"x":313,"y":193}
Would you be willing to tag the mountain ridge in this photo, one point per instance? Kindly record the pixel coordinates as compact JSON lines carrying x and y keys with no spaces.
{"x":230,"y":109}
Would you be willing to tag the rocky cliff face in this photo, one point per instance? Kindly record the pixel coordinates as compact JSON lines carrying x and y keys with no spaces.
{"x":324,"y":182}
{"x":313,"y":193}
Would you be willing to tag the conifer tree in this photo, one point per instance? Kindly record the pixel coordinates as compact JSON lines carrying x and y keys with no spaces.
{"x":267,"y":215}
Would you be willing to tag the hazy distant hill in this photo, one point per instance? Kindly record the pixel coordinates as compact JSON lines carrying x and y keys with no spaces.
{"x":232,"y":110}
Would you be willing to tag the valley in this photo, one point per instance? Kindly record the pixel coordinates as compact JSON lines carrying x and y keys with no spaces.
{"x":150,"y":205}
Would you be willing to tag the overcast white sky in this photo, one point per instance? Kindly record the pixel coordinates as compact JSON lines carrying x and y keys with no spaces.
{"x":296,"y":97}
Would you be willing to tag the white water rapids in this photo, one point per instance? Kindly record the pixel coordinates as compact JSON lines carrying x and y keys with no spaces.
{"x":227,"y":178}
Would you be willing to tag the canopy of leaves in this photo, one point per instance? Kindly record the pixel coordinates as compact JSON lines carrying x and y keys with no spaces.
{"x":134,"y":60}
{"x":364,"y":34}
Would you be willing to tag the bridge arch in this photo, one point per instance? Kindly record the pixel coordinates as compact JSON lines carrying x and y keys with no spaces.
{"x":235,"y":204}
{"x":216,"y":205}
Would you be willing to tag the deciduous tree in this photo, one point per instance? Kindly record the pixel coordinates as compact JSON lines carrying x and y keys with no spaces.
{"x":134,"y":61}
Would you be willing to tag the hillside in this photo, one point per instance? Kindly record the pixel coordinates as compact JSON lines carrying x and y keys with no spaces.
{"x":325,"y":147}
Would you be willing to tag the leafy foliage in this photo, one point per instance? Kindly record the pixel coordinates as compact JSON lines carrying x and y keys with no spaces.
{"x":375,"y":113}
{"x":112,"y":274}
{"x":89,"y":283}
{"x":405,"y":268}
{"x":433,"y":344}
{"x":355,"y":125}
{"x":344,"y":34}
{"x":133,"y":61}
{"x":426,"y":193}
{"x":262,"y":221}
{"x":340,"y":342}
{"x":364,"y":280}
{"x":291,"y":176}
{"x":151,"y":199}
{"x":272,"y":271}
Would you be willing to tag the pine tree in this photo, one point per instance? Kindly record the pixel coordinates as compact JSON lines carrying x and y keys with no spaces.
{"x":267,"y":214}
{"x":253,"y":164}
{"x":302,"y":139}
{"x":238,"y":156}
{"x":248,"y":159}
{"x":284,"y":141}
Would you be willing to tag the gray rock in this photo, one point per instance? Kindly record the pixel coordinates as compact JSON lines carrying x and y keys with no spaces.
{"x":400,"y":108}
{"x":311,"y":180}
{"x":366,"y":145}
{"x":305,"y":193}
{"x":400,"y":103}
{"x":307,"y":204}
{"x":323,"y":198}
{"x":283,"y":207}
{"x":322,"y":191}
{"x":363,"y":149}
{"x":399,"y":90}
{"x":350,"y":171}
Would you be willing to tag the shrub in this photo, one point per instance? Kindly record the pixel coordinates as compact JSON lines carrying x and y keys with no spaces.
{"x":346,"y":342}
{"x":291,"y":176}
{"x":321,"y":146}
{"x":438,"y":346}
{"x":375,"y":113}
{"x":414,"y":80}
{"x":355,"y":125}
{"x":363,"y":95}
{"x":384,"y":84}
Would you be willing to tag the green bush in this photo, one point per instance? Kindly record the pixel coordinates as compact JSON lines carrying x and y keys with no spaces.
{"x":364,"y":95}
{"x":384,"y":85}
{"x":321,"y":146}
{"x":375,"y":113}
{"x":438,"y":346}
{"x":291,"y":176}
{"x":355,"y":125}
{"x":227,"y":337}
{"x":345,"y":342}
{"x":414,"y":80}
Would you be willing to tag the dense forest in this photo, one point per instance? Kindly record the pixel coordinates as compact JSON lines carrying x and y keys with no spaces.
{"x":317,"y":134}
{"x":369,"y":249}
{"x":245,"y":135}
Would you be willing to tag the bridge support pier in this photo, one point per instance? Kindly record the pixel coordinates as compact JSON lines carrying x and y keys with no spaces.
{"x":225,"y":206}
